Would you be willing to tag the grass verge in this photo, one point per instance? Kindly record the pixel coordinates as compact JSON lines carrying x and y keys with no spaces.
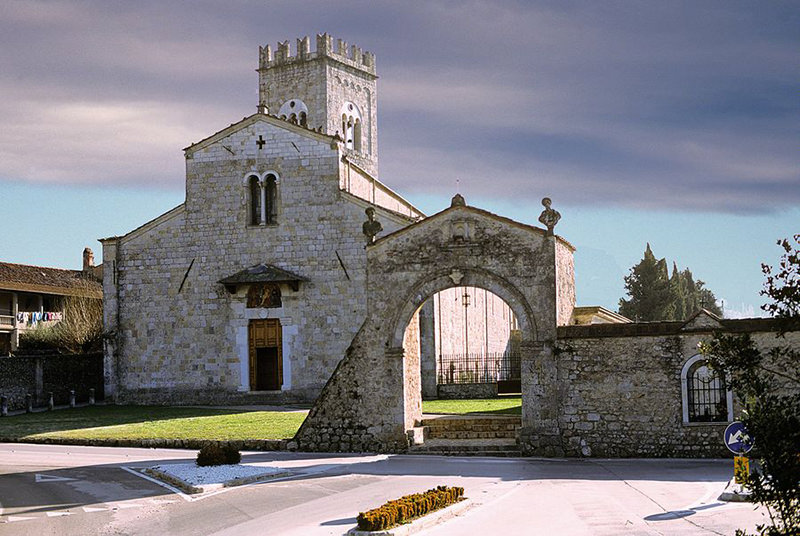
{"x":506,"y":405}
{"x":152,"y":422}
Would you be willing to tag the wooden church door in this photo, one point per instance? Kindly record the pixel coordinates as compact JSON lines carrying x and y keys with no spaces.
{"x":266,"y":355}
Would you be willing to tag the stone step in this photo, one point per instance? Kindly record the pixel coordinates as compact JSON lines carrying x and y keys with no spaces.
{"x":475,"y":427}
{"x":467,"y":447}
{"x":489,"y":454}
{"x":438,"y":433}
{"x":468,"y":421}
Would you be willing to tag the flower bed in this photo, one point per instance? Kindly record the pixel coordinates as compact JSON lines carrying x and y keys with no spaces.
{"x":406,"y":508}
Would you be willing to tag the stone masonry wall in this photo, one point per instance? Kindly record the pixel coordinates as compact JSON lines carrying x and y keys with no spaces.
{"x":621,"y":396}
{"x":565,"y":282}
{"x":412,"y":372}
{"x":40,"y":375}
{"x":183,"y":336}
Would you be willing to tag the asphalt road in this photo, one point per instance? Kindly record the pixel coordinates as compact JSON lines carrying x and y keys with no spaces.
{"x":93,"y":490}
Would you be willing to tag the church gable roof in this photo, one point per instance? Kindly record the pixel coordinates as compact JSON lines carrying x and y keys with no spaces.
{"x":255,"y":118}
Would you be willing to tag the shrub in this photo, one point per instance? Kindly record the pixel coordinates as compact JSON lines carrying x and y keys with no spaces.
{"x":408,"y":507}
{"x":212,"y":454}
{"x":80,"y":331}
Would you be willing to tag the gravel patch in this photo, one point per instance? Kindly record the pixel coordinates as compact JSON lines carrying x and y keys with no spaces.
{"x":195,"y":479}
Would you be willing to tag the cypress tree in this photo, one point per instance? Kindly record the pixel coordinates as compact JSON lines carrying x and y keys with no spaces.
{"x":655,"y":295}
{"x":648,"y":288}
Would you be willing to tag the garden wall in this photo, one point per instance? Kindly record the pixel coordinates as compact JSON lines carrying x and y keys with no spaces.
{"x":620,"y":390}
{"x":40,"y":375}
{"x":452,"y":391}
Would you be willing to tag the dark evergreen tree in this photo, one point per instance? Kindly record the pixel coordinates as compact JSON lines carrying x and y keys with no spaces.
{"x":648,"y":288}
{"x":677,"y":290}
{"x":655,"y":295}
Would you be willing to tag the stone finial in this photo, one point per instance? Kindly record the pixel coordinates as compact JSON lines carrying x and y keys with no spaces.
{"x":88,"y":259}
{"x":549,"y":216}
{"x":262,"y":108}
{"x":458,"y":201}
{"x":372,"y":226}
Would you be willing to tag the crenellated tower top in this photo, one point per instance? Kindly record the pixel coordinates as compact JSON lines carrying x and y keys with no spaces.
{"x":332,"y":89}
{"x":352,"y":56}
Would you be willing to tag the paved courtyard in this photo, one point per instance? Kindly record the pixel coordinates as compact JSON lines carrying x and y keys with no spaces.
{"x":90,"y":490}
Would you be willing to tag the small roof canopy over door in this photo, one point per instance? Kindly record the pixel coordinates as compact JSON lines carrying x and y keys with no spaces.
{"x":262,"y":273}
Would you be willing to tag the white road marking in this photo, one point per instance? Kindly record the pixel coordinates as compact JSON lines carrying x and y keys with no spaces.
{"x":13,"y":519}
{"x":125,"y":506}
{"x":50,"y":478}
{"x":58,"y":514}
{"x":162,"y":501}
{"x":90,"y":509}
{"x":173,"y":489}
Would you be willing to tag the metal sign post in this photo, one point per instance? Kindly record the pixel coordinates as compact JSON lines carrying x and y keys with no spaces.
{"x":739,"y":441}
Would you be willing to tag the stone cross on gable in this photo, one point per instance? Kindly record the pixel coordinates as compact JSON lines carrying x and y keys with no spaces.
{"x":260,"y":141}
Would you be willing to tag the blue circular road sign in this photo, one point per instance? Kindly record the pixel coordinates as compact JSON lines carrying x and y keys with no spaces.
{"x":737,"y":439}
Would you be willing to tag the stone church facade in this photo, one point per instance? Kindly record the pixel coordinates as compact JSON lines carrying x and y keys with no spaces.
{"x":252,"y":285}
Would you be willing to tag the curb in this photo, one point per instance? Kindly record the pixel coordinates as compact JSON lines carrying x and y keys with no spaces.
{"x":418,"y":525}
{"x":734,"y":492}
{"x":177,"y":482}
{"x":193,"y":444}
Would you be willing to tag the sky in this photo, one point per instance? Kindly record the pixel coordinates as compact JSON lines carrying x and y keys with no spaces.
{"x":674,"y":123}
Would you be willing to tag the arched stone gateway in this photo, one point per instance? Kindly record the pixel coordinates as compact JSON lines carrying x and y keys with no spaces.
{"x":372,"y":401}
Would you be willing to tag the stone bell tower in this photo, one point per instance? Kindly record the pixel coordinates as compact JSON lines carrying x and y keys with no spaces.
{"x":332,"y":89}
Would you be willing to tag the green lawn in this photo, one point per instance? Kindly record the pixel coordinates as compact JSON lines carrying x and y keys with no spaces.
{"x":506,"y":405}
{"x":158,"y":422}
{"x":152,"y":422}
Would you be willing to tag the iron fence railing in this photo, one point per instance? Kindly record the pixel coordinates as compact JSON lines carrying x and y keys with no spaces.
{"x":478,"y":368}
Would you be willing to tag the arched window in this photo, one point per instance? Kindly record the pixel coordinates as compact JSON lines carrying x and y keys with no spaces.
{"x":357,"y":135}
{"x":271,"y":199}
{"x":262,"y":198}
{"x":254,"y":187}
{"x":351,"y":126}
{"x":703,"y":393}
{"x":295,"y":111}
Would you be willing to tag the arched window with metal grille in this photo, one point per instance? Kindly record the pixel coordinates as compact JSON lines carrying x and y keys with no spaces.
{"x":705,"y":398}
